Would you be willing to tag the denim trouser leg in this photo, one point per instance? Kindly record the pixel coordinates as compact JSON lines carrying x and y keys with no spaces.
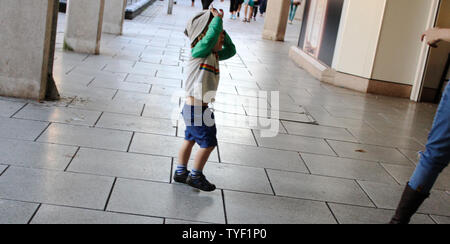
{"x":437,"y":152}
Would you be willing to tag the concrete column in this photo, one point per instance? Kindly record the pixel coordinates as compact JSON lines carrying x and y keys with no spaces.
{"x":114,"y":16}
{"x":27,"y":44}
{"x":84,"y":25}
{"x":276,"y":20}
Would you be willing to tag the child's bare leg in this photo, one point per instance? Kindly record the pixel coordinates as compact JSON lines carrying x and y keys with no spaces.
{"x":196,"y":178}
{"x":202,"y":157}
{"x":181,"y":172}
{"x":185,"y":152}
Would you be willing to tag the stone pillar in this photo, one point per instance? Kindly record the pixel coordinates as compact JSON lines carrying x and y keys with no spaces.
{"x":275,"y":24}
{"x":114,"y":16}
{"x":27,"y":44}
{"x":84,"y":25}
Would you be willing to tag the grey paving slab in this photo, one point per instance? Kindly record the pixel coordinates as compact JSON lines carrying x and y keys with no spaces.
{"x":84,"y":94}
{"x":130,"y":69}
{"x":2,"y":168}
{"x":167,"y":74}
{"x":113,"y":106}
{"x":166,"y":200}
{"x":54,"y":187}
{"x":225,"y":108}
{"x":21,"y":129}
{"x":296,"y":143}
{"x":369,"y":152}
{"x":441,"y":219}
{"x":35,"y":155}
{"x":318,"y":131}
{"x":13,"y":212}
{"x":247,"y":208}
{"x":412,"y":155}
{"x":183,"y":222}
{"x":295,"y":117}
{"x":163,"y":112}
{"x":147,"y":98}
{"x":59,"y":114}
{"x":136,"y":123}
{"x":121,"y":164}
{"x":347,"y":214}
{"x":111,"y":75}
{"x":347,"y":168}
{"x":87,"y":137}
{"x":261,"y":157}
{"x":264,"y":113}
{"x":327,"y":120}
{"x":238,"y":178}
{"x":165,"y":90}
{"x":125,"y":86}
{"x":49,"y":214}
{"x":162,"y":146}
{"x":403,"y":173}
{"x":8,"y":108}
{"x":388,"y":196}
{"x":389,"y":140}
{"x":319,"y":188}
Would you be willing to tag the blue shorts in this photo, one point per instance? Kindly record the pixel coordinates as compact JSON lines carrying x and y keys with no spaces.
{"x":200,"y":125}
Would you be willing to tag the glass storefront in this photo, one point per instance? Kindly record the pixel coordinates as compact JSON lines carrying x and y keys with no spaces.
{"x":320,"y":28}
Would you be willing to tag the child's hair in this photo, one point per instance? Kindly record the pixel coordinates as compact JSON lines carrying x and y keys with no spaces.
{"x":194,"y":43}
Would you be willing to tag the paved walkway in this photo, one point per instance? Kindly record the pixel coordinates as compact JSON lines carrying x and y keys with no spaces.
{"x":105,"y":152}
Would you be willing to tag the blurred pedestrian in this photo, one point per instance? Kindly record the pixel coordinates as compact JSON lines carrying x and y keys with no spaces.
{"x":255,"y":8}
{"x":234,"y":6}
{"x":206,"y":4}
{"x":293,"y":10}
{"x":262,"y":6}
{"x":248,"y":6}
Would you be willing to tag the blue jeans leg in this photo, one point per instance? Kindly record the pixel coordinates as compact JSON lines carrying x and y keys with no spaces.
{"x":437,"y":152}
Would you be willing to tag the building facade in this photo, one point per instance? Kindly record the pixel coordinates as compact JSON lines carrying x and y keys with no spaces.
{"x":374,"y":46}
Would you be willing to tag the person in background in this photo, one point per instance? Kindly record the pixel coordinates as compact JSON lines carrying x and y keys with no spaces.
{"x":293,"y":10}
{"x":206,"y":3}
{"x":262,"y":7}
{"x":255,"y":8}
{"x":234,"y":6}
{"x":437,"y":151}
{"x":247,"y":4}
{"x":240,"y":2}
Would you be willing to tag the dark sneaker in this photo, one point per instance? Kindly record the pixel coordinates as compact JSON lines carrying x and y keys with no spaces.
{"x":201,"y":183}
{"x":181,"y":178}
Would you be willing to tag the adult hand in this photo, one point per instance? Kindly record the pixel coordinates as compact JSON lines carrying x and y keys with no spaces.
{"x":432,"y":36}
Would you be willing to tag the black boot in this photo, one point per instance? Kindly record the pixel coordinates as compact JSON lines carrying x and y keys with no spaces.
{"x":409,"y":203}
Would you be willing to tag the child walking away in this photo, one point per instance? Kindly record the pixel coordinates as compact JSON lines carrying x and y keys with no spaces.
{"x":209,"y":43}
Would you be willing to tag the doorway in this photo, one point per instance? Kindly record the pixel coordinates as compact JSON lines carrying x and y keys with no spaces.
{"x":435,"y":72}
